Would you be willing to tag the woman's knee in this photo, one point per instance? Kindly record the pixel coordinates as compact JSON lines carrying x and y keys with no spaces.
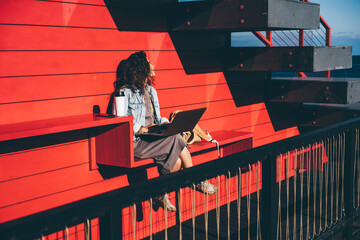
{"x":177,"y":166}
{"x":179,"y":139}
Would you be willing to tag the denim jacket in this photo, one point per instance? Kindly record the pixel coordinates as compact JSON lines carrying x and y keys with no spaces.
{"x":135,"y":105}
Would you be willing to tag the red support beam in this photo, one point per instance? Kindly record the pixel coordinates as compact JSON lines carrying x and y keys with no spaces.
{"x":328,"y":37}
{"x":263,"y":39}
{"x":269,"y":36}
{"x":301,"y":38}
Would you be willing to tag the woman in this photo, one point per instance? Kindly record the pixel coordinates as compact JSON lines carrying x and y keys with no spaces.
{"x":135,"y":80}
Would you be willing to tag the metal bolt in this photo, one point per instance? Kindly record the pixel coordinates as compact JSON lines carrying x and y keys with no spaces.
{"x":242,"y":21}
{"x":241,"y":7}
{"x":188,"y":23}
{"x":290,"y":65}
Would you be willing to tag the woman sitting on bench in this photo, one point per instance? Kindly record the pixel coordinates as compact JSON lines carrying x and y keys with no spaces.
{"x":134,"y":79}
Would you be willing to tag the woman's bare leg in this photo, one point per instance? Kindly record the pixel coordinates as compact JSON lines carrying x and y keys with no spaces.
{"x":183,"y":161}
{"x":185,"y":157}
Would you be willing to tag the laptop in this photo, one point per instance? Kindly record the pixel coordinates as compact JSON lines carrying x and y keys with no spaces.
{"x":183,"y":121}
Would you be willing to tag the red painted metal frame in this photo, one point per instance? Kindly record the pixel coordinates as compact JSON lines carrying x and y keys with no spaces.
{"x":264,"y":39}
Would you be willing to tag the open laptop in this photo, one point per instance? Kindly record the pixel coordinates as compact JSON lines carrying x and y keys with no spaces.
{"x":183,"y":121}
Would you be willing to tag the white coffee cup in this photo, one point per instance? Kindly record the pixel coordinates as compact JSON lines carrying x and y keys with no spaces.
{"x":120,"y":105}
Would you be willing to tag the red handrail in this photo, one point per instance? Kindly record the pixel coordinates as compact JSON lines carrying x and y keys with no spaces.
{"x":267,"y":41}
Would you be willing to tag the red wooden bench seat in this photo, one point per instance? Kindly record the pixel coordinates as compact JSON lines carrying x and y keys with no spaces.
{"x":56,"y":125}
{"x":110,"y":139}
{"x":85,"y":126}
{"x":230,"y":142}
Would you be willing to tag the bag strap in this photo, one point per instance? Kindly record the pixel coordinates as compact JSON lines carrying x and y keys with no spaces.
{"x":214,"y":141}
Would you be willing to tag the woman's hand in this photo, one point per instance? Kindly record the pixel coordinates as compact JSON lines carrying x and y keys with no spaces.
{"x":165,"y":125}
{"x":143,"y":129}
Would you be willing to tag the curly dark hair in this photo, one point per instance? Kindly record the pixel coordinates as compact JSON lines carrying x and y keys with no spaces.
{"x":134,"y":72}
{"x":120,"y":75}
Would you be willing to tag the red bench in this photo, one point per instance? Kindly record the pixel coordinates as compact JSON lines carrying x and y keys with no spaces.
{"x":102,"y":132}
{"x":230,"y":142}
{"x":110,"y":139}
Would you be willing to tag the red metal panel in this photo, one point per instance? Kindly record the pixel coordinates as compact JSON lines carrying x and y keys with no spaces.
{"x":35,"y":161}
{"x":193,"y":95}
{"x":223,"y":138}
{"x":31,"y":12}
{"x":70,"y":62}
{"x":237,"y":147}
{"x":30,"y":111}
{"x":218,"y":109}
{"x":43,"y":87}
{"x":179,"y":79}
{"x":115,"y":146}
{"x":60,"y":38}
{"x":41,"y":185}
{"x":237,"y":121}
{"x":57,"y":199}
{"x":264,"y":134}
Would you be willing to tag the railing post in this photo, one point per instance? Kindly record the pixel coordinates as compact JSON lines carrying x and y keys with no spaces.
{"x":269,"y":196}
{"x":348,"y":182}
{"x":111,"y":224}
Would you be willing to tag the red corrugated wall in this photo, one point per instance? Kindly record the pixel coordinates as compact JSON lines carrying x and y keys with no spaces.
{"x":58,"y":58}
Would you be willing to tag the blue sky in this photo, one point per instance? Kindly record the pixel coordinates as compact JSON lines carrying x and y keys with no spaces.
{"x":343,"y":16}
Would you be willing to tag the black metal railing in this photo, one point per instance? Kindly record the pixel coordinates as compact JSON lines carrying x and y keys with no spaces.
{"x":307,"y":186}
